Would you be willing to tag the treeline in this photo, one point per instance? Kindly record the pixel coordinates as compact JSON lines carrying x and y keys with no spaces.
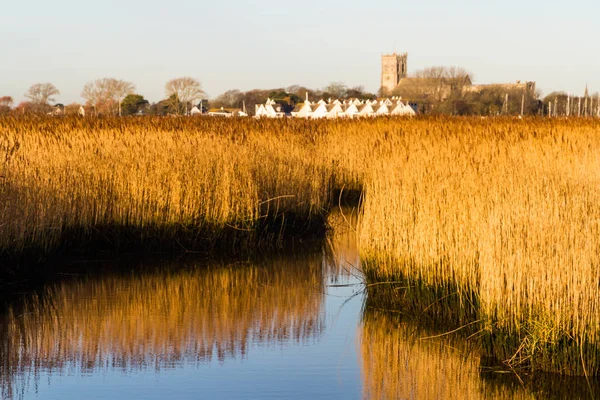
{"x":109,"y":96}
{"x":288,"y":97}
{"x":434,"y":90}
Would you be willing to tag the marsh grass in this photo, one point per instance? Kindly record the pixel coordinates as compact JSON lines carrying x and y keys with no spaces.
{"x":508,"y":210}
{"x":173,"y":183}
{"x":500,"y":215}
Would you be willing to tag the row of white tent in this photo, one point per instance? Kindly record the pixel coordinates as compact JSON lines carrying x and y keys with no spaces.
{"x":350,"y":108}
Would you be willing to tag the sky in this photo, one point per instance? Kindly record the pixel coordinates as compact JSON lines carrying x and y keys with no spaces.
{"x":245,"y":45}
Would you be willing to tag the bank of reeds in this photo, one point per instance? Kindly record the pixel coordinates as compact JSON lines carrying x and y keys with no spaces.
{"x":185,"y":183}
{"x":507,"y":210}
{"x":499,"y":216}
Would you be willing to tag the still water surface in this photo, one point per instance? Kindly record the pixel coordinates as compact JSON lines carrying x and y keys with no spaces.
{"x":290,"y":327}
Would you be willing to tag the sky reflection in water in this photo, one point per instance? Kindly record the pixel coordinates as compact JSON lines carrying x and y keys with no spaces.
{"x":277,"y":329}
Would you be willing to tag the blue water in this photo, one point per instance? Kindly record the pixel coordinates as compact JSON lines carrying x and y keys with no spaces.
{"x":323,"y":369}
{"x":289,"y":327}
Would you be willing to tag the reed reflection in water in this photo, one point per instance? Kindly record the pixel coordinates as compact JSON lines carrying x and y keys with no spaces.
{"x":273,"y":317}
{"x":403,"y":360}
{"x":161,"y":319}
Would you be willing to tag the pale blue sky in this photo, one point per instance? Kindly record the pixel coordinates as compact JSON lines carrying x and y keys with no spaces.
{"x":247,"y":44}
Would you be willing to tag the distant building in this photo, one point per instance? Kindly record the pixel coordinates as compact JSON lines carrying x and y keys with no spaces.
{"x":302,"y":110}
{"x":524,"y":86}
{"x":394,"y":78}
{"x":335,"y":108}
{"x":319,"y":110}
{"x":437,"y":88}
{"x":269,"y":110}
{"x":57,"y":109}
{"x":402,"y":110}
{"x":351,"y":110}
{"x":225,"y":112}
{"x":365,"y":110}
{"x":394,"y":67}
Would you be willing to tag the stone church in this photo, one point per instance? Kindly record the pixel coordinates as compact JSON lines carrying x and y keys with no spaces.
{"x":394,"y":75}
{"x":394,"y":67}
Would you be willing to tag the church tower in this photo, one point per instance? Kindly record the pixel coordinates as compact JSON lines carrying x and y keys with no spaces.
{"x":393,"y":68}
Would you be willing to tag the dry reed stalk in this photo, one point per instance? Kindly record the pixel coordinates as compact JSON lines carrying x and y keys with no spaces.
{"x":168,"y":175}
{"x":510,"y":209}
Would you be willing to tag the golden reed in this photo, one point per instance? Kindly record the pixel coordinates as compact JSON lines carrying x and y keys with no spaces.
{"x":502,"y":213}
{"x":506,"y":209}
{"x":69,"y":179}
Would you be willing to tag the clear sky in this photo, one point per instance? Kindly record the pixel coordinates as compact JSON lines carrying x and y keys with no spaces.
{"x":250,"y":44}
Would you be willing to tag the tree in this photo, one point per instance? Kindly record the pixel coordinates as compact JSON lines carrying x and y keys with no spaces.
{"x":163,"y":107}
{"x":133,"y":104}
{"x":25,"y":107}
{"x":301,"y":91}
{"x":6,"y":103}
{"x":120,"y":90}
{"x":106,"y":94}
{"x":229,"y":99}
{"x":458,"y":77}
{"x":183,"y":91}
{"x":336,"y":90}
{"x":438,"y":82}
{"x":97,"y":94}
{"x":359,"y":93}
{"x":40,"y":95}
{"x":92,"y":93}
{"x":436,"y":89}
{"x":254,"y":97}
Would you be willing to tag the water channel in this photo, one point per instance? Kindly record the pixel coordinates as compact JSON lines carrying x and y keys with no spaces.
{"x":288,"y":327}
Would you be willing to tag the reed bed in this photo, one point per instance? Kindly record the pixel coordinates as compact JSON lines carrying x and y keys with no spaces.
{"x":499,"y":216}
{"x":505,"y":216}
{"x":156,"y":181}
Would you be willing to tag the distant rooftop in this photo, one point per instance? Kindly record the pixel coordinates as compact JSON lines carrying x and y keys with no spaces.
{"x":394,"y":54}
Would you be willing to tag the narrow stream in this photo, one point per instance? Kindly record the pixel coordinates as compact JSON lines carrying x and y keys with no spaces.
{"x":289,"y":327}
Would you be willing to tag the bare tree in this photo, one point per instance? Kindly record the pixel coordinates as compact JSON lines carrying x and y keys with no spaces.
{"x":183,"y":91}
{"x":41,"y":94}
{"x":359,"y":93}
{"x":6,"y":103}
{"x":119,"y":90}
{"x":25,"y":107}
{"x":93,"y":93}
{"x":106,"y":93}
{"x":97,"y":93}
{"x":231,"y":99}
{"x":336,"y":89}
{"x":433,"y":81}
{"x":437,"y":89}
